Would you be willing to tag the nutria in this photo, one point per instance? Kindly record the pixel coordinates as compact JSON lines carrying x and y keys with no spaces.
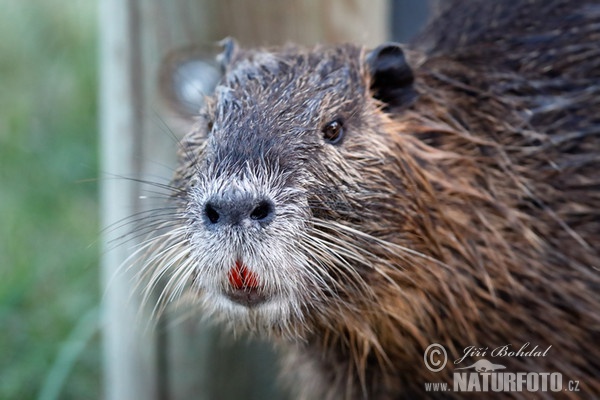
{"x":356,"y":206}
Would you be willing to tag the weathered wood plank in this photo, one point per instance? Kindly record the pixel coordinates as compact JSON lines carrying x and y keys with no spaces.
{"x":129,"y":353}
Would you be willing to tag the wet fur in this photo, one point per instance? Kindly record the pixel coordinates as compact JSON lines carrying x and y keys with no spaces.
{"x":469,"y":217}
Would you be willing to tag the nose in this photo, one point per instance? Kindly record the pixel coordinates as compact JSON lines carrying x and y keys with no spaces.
{"x":239,"y":210}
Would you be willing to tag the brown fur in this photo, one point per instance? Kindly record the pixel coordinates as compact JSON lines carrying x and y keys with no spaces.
{"x":496,"y":179}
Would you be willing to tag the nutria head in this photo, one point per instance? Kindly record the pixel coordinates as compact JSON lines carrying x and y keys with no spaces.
{"x":281,"y":185}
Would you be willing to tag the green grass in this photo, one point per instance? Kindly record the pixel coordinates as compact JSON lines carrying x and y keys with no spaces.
{"x":49,"y":276}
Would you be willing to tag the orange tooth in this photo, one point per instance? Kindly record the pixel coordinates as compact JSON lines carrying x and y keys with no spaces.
{"x":240,"y":277}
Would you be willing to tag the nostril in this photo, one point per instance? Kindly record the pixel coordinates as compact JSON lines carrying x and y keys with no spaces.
{"x":211,"y":213}
{"x":262,"y":211}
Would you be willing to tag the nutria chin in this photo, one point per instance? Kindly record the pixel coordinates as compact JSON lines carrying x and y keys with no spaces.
{"x":356,"y":206}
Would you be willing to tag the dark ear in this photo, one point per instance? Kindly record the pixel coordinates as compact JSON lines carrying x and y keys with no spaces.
{"x":230,"y":48}
{"x":391,"y":76}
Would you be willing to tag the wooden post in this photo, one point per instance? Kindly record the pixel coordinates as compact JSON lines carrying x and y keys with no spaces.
{"x":187,"y":359}
{"x":129,"y":354}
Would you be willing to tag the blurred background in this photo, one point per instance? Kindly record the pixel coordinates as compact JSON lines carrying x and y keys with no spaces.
{"x":49,"y":285}
{"x":50,"y":293}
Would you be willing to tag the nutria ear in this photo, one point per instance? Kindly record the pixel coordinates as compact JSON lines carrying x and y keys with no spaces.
{"x":187,"y":76}
{"x":391,"y":76}
{"x":230,"y":48}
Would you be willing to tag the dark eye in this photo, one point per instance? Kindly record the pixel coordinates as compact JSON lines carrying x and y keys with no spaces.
{"x":209,"y":125}
{"x":333,"y":131}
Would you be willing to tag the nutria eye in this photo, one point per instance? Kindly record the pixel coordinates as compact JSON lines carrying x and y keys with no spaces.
{"x":333,"y":132}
